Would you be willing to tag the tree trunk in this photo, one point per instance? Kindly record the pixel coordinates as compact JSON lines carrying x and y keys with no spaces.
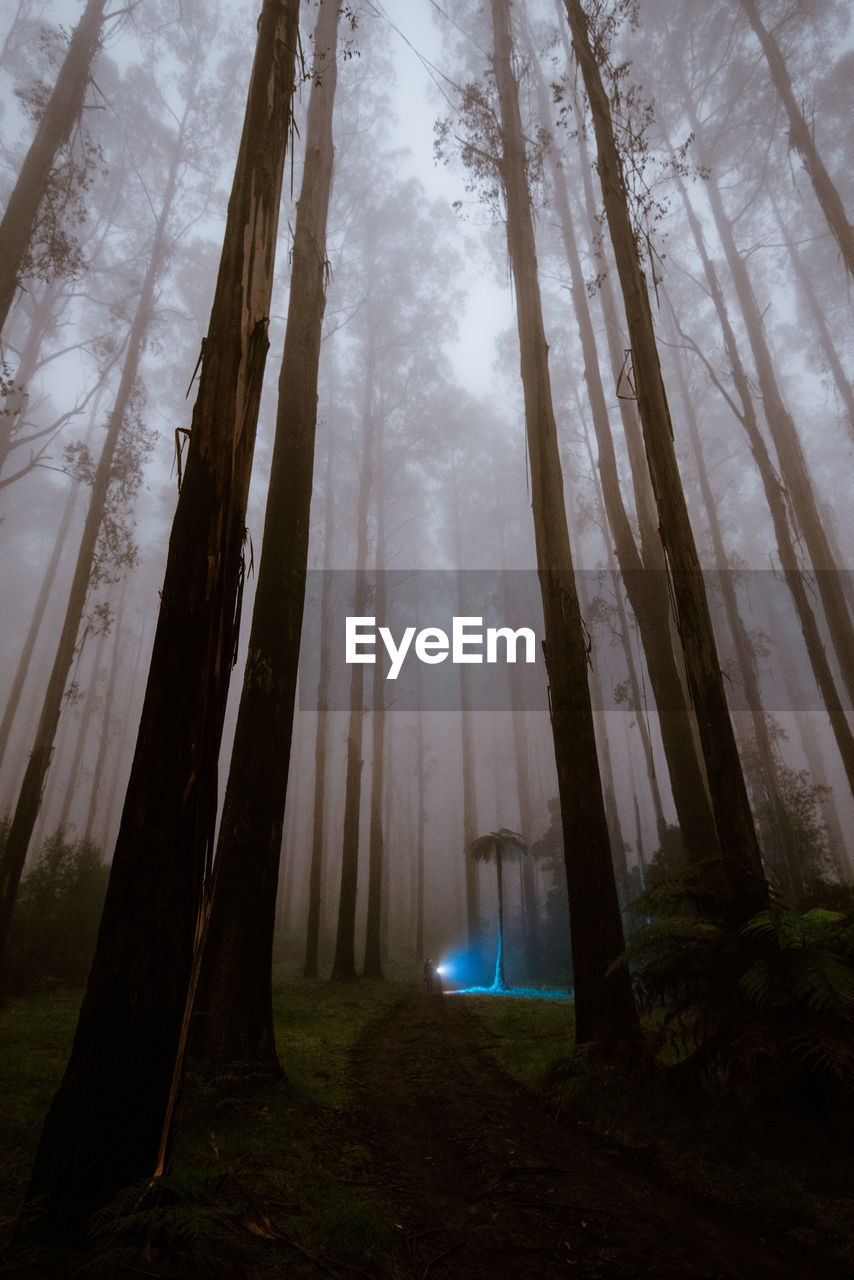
{"x":793,"y":467}
{"x":825,"y":340}
{"x":234,"y":1019}
{"x":60,"y":116}
{"x":36,"y":620}
{"x":499,"y":982}
{"x":372,"y":967}
{"x":420,"y":781}
{"x":645,"y":583}
{"x":784,"y":857}
{"x":778,"y":506}
{"x":605,"y":1011}
{"x":801,"y":138}
{"x":470,"y":823}
{"x":30,"y":795}
{"x":106,"y":723}
{"x":73,"y":781}
{"x":321,"y":747}
{"x":746,"y":886}
{"x":107,"y":1123}
{"x":344,"y":962}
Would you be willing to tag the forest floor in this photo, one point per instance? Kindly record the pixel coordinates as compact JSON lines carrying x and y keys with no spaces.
{"x":486,"y":1182}
{"x":398,"y":1147}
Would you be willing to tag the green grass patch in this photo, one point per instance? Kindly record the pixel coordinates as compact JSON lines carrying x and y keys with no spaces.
{"x":262,"y":1183}
{"x":35,"y":1040}
{"x":529,"y":1036}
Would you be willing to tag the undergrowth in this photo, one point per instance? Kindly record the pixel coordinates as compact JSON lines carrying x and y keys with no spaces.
{"x":262,"y":1183}
{"x":745,"y":1091}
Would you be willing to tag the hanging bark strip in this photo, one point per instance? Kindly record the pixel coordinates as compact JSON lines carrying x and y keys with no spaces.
{"x":746,"y":885}
{"x":104,"y":1127}
{"x":604,"y":1008}
{"x":801,"y":138}
{"x":235,"y":1021}
{"x":60,"y":115}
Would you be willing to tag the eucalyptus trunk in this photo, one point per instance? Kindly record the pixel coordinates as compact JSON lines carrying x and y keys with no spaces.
{"x":59,"y":118}
{"x":32,"y":787}
{"x":778,"y":504}
{"x":746,"y":888}
{"x":344,"y":961}
{"x":234,"y":1010}
{"x":110,"y":1122}
{"x":604,"y":1007}
{"x":372,"y":967}
{"x":793,"y":466}
{"x":321,"y":747}
{"x":48,"y":580}
{"x":802,"y":139}
{"x":645,"y":583}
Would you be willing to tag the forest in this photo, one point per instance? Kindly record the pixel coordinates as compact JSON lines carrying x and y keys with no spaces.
{"x":427,"y":649}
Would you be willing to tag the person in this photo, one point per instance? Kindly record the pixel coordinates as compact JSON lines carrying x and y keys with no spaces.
{"x":428,"y":976}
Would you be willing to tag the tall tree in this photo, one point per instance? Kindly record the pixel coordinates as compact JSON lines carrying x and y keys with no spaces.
{"x":58,"y":119}
{"x":235,"y":1022}
{"x":794,"y":470}
{"x":802,"y":139}
{"x":107,"y":1124}
{"x":775,"y":494}
{"x":604,"y":1007}
{"x":643,"y":571}
{"x":321,"y":743}
{"x":745,"y":881}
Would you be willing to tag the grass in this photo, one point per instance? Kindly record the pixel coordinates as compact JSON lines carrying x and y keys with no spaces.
{"x":790,"y":1171}
{"x":530,"y":1036}
{"x":261,"y":1182}
{"x":35,"y":1035}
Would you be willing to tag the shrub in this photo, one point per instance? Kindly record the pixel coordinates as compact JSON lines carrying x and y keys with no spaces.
{"x":57,"y":912}
{"x":764,"y":1010}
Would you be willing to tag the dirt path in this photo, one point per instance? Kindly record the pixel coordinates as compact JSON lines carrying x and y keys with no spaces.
{"x":488,"y":1185}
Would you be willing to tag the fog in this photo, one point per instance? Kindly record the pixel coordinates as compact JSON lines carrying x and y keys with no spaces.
{"x":420,"y":350}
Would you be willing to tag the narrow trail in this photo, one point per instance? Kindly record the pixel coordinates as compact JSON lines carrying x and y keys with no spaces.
{"x":488,"y":1185}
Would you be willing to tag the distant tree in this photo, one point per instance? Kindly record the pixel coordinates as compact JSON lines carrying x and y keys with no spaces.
{"x":499,"y":846}
{"x":60,"y":114}
{"x":110,"y":1122}
{"x":101,"y":523}
{"x":802,"y":138}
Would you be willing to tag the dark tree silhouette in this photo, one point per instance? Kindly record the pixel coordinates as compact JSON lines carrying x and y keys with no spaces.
{"x":110,"y":1120}
{"x":235,"y":1022}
